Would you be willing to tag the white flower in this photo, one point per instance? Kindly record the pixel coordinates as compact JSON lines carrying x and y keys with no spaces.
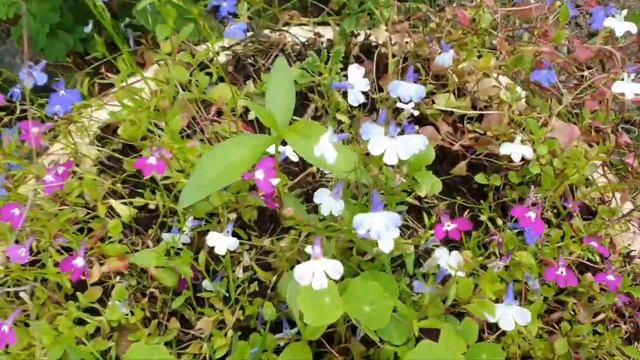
{"x":89,"y":27}
{"x":222,"y":242}
{"x":410,"y":108}
{"x":619,"y":26}
{"x":451,"y":262}
{"x":517,"y":150}
{"x":407,"y":91}
{"x":382,"y":226}
{"x":445,"y":59}
{"x":181,"y":237}
{"x":393,"y":147}
{"x":325,"y":147}
{"x":285,"y":151}
{"x":314,"y":272}
{"x":509,"y":313}
{"x":330,"y":202}
{"x":356,"y":85}
{"x":626,"y":86}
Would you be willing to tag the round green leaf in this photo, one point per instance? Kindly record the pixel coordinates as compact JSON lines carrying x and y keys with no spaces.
{"x":320,"y":307}
{"x":367,"y":302}
{"x":485,"y":351}
{"x":387,"y":281}
{"x":296,"y":351}
{"x":397,"y":331}
{"x":142,"y":351}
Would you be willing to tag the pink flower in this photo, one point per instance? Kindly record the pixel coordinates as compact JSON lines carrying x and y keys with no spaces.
{"x":610,"y":279}
{"x":265,"y":175}
{"x":529,"y":218}
{"x":76,"y":265}
{"x":561,"y":274}
{"x":13,"y":214}
{"x":20,"y":253}
{"x":451,"y":228}
{"x":7,"y":333}
{"x":154,"y":163}
{"x":56,"y":176}
{"x":31,"y":132}
{"x":594,"y":241}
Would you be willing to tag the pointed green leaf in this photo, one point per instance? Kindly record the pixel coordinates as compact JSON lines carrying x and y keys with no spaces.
{"x":265,"y":116}
{"x":280,"y":98}
{"x":223,"y":165}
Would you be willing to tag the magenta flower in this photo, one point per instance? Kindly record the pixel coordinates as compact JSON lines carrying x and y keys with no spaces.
{"x":7,"y":333}
{"x":529,"y":218}
{"x":13,"y":214}
{"x":31,"y":132}
{"x":56,"y":176}
{"x":20,"y":253}
{"x":610,"y":279}
{"x":76,"y":265}
{"x":561,"y":274}
{"x":451,"y":228}
{"x":265,"y":175}
{"x":154,"y":163}
{"x":594,"y":241}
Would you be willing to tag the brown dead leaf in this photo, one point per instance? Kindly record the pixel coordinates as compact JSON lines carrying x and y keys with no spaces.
{"x":492,"y":123}
{"x":567,"y":134}
{"x":432,"y":134}
{"x":460,"y":169}
{"x":204,"y":326}
{"x":463,"y":16}
{"x":581,"y":52}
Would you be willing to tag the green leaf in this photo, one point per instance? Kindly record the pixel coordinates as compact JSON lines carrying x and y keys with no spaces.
{"x":427,"y":183}
{"x":419,"y":161}
{"x":367,"y":302}
{"x":265,"y":116}
{"x":468,"y":329}
{"x":296,"y":351}
{"x":320,"y":307}
{"x":223,"y":165}
{"x":450,"y":339}
{"x":397,"y":331}
{"x":311,"y":332}
{"x":449,"y":101}
{"x":387,"y":281}
{"x":485,"y":351}
{"x":481,"y":178}
{"x":163,"y":31}
{"x":167,"y":277}
{"x":141,"y":351}
{"x":304,"y":135}
{"x":280,"y":98}
{"x":149,"y":257}
{"x":561,"y":345}
{"x":429,"y":350}
{"x":465,"y":288}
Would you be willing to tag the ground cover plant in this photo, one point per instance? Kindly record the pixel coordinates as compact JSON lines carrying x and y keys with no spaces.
{"x":318,"y":180}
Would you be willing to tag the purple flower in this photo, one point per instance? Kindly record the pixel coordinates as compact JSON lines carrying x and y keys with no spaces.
{"x":56,"y":176}
{"x":499,"y":264}
{"x":451,"y":228}
{"x":15,"y":93}
{"x":573,"y":12}
{"x":7,"y":333}
{"x":236,"y":30}
{"x":572,"y":205}
{"x":610,"y":279}
{"x":545,"y":75}
{"x":33,"y":74}
{"x":3,"y":191}
{"x":529,"y":218}
{"x":419,"y":287}
{"x":20,"y":253}
{"x":594,"y":241}
{"x":13,"y":214}
{"x":148,"y":165}
{"x":533,"y":283}
{"x":61,"y":102}
{"x":409,"y":128}
{"x":530,"y":236}
{"x":561,"y":274}
{"x":225,"y":7}
{"x":76,"y":265}
{"x":31,"y":132}
{"x":265,"y":175}
{"x":598,"y":14}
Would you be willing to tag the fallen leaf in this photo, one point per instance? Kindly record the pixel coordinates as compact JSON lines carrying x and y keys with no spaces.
{"x":632,"y":161}
{"x":204,"y":326}
{"x":460,"y":169}
{"x":432,"y":134}
{"x":567,"y":134}
{"x":582,"y":53}
{"x":492,"y":122}
{"x":463,"y":16}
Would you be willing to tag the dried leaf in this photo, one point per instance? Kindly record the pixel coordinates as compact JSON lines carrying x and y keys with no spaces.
{"x":582,"y":53}
{"x":463,"y":16}
{"x":432,"y":134}
{"x":460,"y":169}
{"x":204,"y":326}
{"x":567,"y":134}
{"x":492,"y":123}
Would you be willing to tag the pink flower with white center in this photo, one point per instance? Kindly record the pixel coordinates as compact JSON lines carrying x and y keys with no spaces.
{"x":31,"y":132}
{"x":19,"y":253}
{"x":594,"y":242}
{"x":76,"y":265}
{"x":610,"y":279}
{"x":529,"y":218}
{"x":561,"y":274}
{"x":265,"y":175}
{"x":155,"y":163}
{"x":56,"y":176}
{"x":7,"y":333}
{"x":451,"y":228}
{"x":13,"y":214}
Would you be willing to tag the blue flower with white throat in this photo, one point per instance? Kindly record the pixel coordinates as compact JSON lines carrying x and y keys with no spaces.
{"x":450,"y":262}
{"x":445,"y":58}
{"x":407,"y":90}
{"x":325,"y":147}
{"x":179,"y":237}
{"x":224,"y":241}
{"x":509,"y":313}
{"x":378,"y":224}
{"x":330,"y":201}
{"x":394,"y":146}
{"x":356,"y":85}
{"x":317,"y":270}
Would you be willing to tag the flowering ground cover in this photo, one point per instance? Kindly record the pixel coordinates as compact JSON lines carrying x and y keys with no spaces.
{"x":350,"y":179}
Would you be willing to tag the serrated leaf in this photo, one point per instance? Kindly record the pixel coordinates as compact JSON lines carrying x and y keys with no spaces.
{"x":223,"y":165}
{"x":280,"y":97}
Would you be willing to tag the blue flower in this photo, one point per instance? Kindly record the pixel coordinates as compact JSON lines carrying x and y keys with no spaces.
{"x":236,"y":30}
{"x":598,"y":14}
{"x":378,"y":224}
{"x":61,"y":102}
{"x":15,"y":93}
{"x":544,"y":76}
{"x":226,"y":7}
{"x":3,"y":191}
{"x":530,"y":236}
{"x":573,"y":12}
{"x":33,"y":74}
